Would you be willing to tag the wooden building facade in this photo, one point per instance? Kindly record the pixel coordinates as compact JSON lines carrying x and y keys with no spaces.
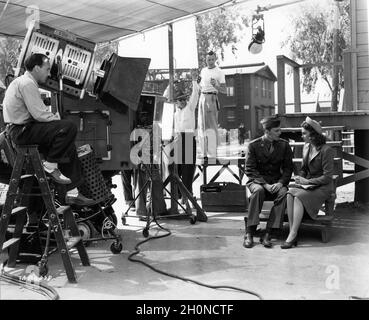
{"x":358,"y":63}
{"x":249,"y":98}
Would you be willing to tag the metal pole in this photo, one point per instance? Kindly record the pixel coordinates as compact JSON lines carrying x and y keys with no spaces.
{"x":171,"y":69}
{"x":336,"y":51}
{"x":173,"y":184}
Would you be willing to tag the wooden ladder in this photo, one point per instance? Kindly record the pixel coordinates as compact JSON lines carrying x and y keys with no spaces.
{"x":20,"y":187}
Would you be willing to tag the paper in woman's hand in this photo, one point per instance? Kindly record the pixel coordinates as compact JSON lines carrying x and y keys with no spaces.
{"x":303,"y":186}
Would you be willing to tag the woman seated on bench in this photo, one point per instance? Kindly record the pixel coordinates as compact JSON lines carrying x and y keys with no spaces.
{"x":314,"y":184}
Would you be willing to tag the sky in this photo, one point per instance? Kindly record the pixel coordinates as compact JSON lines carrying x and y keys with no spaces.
{"x":154,"y":44}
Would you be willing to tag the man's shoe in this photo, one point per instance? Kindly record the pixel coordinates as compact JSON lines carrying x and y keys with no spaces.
{"x":265,"y":241}
{"x":79,"y":200}
{"x":248,"y":241}
{"x":58,"y":177}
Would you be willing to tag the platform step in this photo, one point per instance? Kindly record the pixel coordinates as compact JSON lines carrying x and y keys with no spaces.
{"x":329,"y":143}
{"x":9,"y":243}
{"x":25,"y":176}
{"x":19,"y":210}
{"x":72,"y":241}
{"x":299,"y":160}
{"x":62,"y":209}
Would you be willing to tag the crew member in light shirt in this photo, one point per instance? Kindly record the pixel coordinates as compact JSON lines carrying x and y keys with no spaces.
{"x":29,"y":122}
{"x":184,"y":128}
{"x":212,"y":82}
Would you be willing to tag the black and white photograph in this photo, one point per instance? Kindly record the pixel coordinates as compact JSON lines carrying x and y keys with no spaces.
{"x":184,"y":157}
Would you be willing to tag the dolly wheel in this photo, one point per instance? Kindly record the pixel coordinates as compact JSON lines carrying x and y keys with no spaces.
{"x":145,"y":232}
{"x":116,"y":247}
{"x":85,"y":230}
{"x":193,"y":219}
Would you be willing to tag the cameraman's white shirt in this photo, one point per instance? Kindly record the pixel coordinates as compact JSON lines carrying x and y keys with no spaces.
{"x":184,"y":119}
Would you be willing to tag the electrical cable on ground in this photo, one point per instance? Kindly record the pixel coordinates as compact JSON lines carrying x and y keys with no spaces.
{"x":137,"y":251}
{"x":39,"y":287}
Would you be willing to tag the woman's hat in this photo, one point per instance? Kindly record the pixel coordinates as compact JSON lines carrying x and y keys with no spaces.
{"x":314,"y":124}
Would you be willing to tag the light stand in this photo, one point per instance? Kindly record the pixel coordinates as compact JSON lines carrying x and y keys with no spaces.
{"x":60,"y":104}
{"x":176,"y":182}
{"x":258,"y":34}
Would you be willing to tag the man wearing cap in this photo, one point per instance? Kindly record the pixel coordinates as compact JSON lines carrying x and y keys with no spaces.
{"x":212,"y":82}
{"x":269,"y":168}
{"x":184,"y":128}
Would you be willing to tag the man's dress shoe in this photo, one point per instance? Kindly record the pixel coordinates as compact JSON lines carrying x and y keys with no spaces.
{"x":248,"y":241}
{"x":79,"y":200}
{"x":265,"y":241}
{"x":58,"y":177}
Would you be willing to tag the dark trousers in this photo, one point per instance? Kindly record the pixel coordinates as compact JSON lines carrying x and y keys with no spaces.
{"x":127,"y":176}
{"x":187,"y":163}
{"x":56,"y":142}
{"x":5,"y":172}
{"x":149,"y":193}
{"x":258,"y":196}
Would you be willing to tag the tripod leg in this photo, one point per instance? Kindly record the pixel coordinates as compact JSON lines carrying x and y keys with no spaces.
{"x":201,"y":216}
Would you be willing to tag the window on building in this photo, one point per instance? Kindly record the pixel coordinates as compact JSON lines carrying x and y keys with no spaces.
{"x":270,"y":86}
{"x":231,"y":115}
{"x":256,"y":81}
{"x":264,"y":88}
{"x":230,"y":87}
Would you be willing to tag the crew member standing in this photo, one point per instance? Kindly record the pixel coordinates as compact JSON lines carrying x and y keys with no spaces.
{"x":184,"y":128}
{"x":212,"y":82}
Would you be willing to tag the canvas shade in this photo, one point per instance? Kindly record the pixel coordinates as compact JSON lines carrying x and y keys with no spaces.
{"x":96,"y":20}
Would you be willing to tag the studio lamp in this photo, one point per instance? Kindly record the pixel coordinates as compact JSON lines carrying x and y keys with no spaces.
{"x":258,"y":35}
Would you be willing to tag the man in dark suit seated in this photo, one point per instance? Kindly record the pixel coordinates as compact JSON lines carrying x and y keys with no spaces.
{"x":269,"y":168}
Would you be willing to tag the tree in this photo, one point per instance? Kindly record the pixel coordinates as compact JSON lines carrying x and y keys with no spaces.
{"x":104,"y":51}
{"x":218,"y":29}
{"x":311,"y":41}
{"x":9,"y":52}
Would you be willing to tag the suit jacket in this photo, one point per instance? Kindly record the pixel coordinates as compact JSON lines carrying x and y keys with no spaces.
{"x":319,"y":170}
{"x":265,"y":167}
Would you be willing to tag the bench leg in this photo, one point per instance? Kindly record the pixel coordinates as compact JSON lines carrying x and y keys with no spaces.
{"x":325,"y":232}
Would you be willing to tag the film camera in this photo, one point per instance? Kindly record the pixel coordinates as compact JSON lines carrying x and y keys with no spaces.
{"x":106,"y":103}
{"x":112,"y":109}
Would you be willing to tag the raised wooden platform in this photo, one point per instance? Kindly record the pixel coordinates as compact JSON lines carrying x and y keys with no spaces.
{"x":353,"y":120}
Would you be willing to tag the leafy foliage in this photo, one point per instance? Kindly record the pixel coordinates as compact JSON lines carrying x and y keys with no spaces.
{"x":311,"y":41}
{"x":218,"y":29}
{"x":9,"y":52}
{"x":104,"y":51}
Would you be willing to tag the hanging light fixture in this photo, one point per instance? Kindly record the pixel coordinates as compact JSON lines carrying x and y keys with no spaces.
{"x":258,"y":34}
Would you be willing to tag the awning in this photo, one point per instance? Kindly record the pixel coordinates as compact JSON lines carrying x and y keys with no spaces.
{"x":96,"y":20}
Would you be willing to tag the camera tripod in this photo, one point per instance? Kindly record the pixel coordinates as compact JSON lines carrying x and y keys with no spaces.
{"x":153,"y":176}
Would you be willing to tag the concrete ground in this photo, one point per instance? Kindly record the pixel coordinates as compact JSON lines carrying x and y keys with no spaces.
{"x":212,"y":253}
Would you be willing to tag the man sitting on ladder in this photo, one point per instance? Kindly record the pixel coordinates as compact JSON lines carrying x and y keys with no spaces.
{"x":30,"y":122}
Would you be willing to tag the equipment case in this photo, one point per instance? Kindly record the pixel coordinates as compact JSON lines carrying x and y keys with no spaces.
{"x":224,"y":196}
